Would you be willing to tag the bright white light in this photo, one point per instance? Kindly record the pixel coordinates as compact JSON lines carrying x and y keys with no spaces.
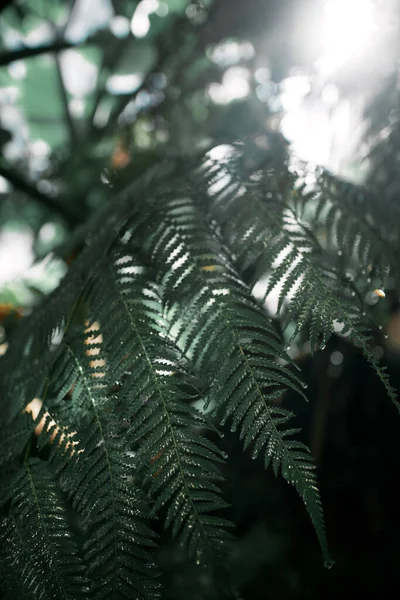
{"x":140,"y":23}
{"x":47,"y":232}
{"x":8,"y":95}
{"x":102,"y":114}
{"x":79,"y":74}
{"x":123,"y":84}
{"x":16,"y":254}
{"x":294,"y":89}
{"x":234,"y":86}
{"x":262,"y":75}
{"x":39,"y":35}
{"x":17,"y":69}
{"x":310,"y":133}
{"x":40,"y":148}
{"x":119,"y":26}
{"x":330,"y":95}
{"x":229,"y":52}
{"x":347,"y":30}
{"x":4,"y":185}
{"x":87,"y":17}
{"x":235,"y":81}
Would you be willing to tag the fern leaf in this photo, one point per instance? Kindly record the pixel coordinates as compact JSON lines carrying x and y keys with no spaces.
{"x":312,"y":276}
{"x":100,"y":480}
{"x":227,"y":336}
{"x":14,"y":437}
{"x":174,"y":462}
{"x":42,"y":551}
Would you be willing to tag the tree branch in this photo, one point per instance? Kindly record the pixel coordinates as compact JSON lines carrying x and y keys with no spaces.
{"x":8,"y":57}
{"x":46,"y":201}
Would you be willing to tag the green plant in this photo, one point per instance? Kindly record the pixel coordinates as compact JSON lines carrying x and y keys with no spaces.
{"x":157,"y":314}
{"x":160,"y":337}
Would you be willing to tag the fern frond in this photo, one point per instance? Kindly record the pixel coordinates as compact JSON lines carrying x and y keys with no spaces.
{"x":14,"y":437}
{"x":19,"y":573}
{"x":361,"y":231}
{"x":42,"y":553}
{"x":230,"y":340}
{"x":159,"y":309}
{"x":174,"y":462}
{"x":312,"y":287}
{"x":99,"y":478}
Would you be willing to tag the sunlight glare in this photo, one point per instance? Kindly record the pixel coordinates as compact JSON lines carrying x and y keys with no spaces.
{"x":140,"y":23}
{"x":235,"y":86}
{"x":347,"y":31}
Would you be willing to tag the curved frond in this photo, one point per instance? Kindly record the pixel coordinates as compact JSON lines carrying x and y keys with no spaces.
{"x":174,"y":461}
{"x":98,"y":475}
{"x":229,"y":339}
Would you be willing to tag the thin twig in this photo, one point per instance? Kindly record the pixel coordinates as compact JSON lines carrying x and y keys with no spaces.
{"x":8,"y":57}
{"x":64,"y":97}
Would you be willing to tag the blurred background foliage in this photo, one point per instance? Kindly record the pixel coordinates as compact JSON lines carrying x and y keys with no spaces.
{"x":95,"y":92}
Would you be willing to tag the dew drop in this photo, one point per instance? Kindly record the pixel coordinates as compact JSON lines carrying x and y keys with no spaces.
{"x":386,"y":336}
{"x":288,"y":348}
{"x":353,"y":294}
{"x":380,"y":327}
{"x":224,"y":455}
{"x":369,"y":280}
{"x":328,"y":564}
{"x":221,"y":434}
{"x":323,"y":346}
{"x":107,"y":177}
{"x":304,"y":384}
{"x":339,"y":253}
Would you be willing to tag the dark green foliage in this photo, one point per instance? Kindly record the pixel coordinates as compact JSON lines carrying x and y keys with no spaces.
{"x":38,"y":550}
{"x":154,"y":338}
{"x":161,"y":335}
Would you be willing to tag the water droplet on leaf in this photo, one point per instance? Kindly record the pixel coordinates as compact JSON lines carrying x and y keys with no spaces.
{"x":108,"y":177}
